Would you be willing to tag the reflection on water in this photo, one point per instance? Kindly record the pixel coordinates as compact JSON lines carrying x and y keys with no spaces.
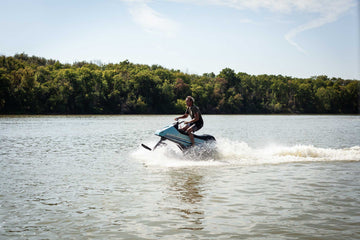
{"x":186,"y":186}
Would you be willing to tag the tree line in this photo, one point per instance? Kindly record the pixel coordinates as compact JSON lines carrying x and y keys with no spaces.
{"x":35,"y":85}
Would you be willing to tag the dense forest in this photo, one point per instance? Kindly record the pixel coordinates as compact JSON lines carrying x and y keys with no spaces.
{"x":35,"y":85}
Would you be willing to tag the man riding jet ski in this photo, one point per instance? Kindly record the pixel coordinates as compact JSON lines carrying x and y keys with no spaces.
{"x":196,"y":122}
{"x":184,"y":137}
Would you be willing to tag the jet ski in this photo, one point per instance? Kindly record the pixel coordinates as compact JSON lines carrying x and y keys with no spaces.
{"x":179,"y":137}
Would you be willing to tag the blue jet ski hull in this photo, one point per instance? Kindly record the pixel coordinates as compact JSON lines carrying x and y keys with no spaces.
{"x":180,"y":138}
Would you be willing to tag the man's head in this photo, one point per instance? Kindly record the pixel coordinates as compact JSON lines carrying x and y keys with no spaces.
{"x":189,"y":101}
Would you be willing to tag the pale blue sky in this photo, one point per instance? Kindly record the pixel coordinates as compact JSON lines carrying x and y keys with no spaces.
{"x":298,"y":38}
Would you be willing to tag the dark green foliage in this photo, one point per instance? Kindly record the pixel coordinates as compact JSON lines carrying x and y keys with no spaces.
{"x":34,"y":85}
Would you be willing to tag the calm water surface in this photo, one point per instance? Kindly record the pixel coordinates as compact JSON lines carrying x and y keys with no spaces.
{"x":272,"y":177}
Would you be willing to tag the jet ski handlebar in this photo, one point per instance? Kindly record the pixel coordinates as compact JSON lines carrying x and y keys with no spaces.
{"x":177,"y":123}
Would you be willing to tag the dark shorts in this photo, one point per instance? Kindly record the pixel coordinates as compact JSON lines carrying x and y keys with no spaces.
{"x":196,"y":126}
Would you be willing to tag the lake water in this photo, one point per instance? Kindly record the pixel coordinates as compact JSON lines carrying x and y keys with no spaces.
{"x":272,"y":177}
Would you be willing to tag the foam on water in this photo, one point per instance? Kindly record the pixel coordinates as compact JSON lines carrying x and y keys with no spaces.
{"x":241,"y":153}
{"x":227,"y":152}
{"x":172,"y":156}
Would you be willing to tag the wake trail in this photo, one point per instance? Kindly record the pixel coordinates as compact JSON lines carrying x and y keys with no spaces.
{"x":228,"y":152}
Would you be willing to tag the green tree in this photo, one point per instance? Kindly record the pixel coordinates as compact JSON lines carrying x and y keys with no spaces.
{"x":30,"y":84}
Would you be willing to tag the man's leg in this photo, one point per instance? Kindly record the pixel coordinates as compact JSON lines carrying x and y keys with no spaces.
{"x":190,"y":131}
{"x":185,"y":128}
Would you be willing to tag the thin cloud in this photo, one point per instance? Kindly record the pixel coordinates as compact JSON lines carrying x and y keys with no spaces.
{"x":290,"y":36}
{"x":327,"y":11}
{"x":152,"y":21}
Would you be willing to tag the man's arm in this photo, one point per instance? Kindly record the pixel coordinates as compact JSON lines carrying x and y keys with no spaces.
{"x":183,"y":116}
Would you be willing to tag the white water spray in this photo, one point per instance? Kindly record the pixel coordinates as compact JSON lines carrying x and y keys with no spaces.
{"x":227,"y":152}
